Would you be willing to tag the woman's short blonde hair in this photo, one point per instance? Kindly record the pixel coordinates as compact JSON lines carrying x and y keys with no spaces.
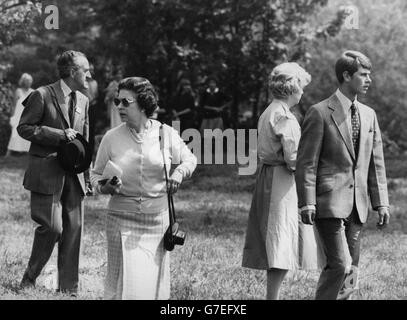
{"x":286,"y":78}
{"x":25,"y":77}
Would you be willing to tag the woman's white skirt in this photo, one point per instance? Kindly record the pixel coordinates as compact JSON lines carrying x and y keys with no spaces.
{"x":138,"y":266}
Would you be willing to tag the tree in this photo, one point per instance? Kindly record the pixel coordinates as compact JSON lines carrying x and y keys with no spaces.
{"x":17,"y":18}
{"x":381,"y":36}
{"x":164,"y":40}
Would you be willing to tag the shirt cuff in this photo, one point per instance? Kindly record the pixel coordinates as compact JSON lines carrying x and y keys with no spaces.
{"x":307,"y":207}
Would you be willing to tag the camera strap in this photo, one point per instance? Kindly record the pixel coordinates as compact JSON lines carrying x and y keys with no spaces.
{"x":169,"y":196}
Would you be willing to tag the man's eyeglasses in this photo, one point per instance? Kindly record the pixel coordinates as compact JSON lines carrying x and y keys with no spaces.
{"x":125,"y":102}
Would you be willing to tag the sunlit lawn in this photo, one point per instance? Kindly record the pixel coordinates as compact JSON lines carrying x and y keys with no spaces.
{"x":213,"y":209}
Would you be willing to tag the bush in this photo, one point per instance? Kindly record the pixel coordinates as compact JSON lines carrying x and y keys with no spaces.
{"x":6,"y":98}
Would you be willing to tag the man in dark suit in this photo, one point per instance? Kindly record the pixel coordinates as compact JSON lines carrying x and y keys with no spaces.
{"x":52,"y":116}
{"x":340,"y":166}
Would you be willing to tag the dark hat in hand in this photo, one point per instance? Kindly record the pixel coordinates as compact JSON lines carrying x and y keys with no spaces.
{"x":75,"y":156}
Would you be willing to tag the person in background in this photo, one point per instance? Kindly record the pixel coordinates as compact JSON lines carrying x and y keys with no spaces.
{"x":160,"y":113}
{"x":212,"y":103}
{"x":16,"y":143}
{"x":110,"y":94}
{"x":183,"y":105}
{"x":137,"y":218}
{"x":92,"y":93}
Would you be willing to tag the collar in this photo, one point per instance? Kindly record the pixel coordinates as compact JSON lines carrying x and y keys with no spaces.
{"x":65,"y":89}
{"x":345,"y":101}
{"x":147,"y":127}
{"x":283,"y":104}
{"x":215,"y":91}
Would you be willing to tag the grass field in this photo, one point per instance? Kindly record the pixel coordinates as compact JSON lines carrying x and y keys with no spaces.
{"x":213,"y":208}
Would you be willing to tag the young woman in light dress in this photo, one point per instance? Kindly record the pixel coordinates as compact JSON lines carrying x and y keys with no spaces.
{"x":16,"y":143}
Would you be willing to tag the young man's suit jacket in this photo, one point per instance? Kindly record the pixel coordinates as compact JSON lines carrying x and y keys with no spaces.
{"x":43,"y":121}
{"x":329,"y":174}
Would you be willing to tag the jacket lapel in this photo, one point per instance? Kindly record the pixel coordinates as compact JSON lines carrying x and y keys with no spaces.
{"x":61,"y":105}
{"x":339,"y":118}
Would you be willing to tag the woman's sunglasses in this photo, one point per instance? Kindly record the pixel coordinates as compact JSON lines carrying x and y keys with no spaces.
{"x":125,"y":102}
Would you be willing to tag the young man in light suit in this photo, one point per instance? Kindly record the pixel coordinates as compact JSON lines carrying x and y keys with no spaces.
{"x":52,"y":116}
{"x":340,"y":165}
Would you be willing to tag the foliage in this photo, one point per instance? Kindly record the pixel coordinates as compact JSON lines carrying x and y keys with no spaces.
{"x":239,"y":41}
{"x":165,"y":40}
{"x":381,"y":36}
{"x":17,"y":17}
{"x":6,"y":98}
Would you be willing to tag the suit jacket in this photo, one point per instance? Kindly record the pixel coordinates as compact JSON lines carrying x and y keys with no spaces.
{"x":43,"y":121}
{"x":329,"y":175}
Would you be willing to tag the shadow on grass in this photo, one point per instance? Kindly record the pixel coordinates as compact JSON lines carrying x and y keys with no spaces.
{"x":14,"y":162}
{"x":12,"y":286}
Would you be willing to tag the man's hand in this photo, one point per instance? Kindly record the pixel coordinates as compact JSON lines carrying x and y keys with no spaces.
{"x":70,"y":134}
{"x":109,"y":188}
{"x":384,"y":217}
{"x":89,"y":189}
{"x":308,"y":216}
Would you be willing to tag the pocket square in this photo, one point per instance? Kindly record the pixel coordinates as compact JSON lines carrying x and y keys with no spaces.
{"x":78,"y":110}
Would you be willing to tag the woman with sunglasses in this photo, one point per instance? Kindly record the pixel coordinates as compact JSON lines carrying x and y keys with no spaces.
{"x":138,"y":264}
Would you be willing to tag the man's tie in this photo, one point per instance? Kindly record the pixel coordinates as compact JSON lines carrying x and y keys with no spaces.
{"x":355,"y":127}
{"x":71,"y":110}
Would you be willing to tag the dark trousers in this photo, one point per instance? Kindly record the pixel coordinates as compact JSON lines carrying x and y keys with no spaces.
{"x":60,"y":219}
{"x":339,"y":237}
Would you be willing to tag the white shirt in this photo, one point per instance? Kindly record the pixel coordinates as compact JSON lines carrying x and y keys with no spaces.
{"x":346,"y":104}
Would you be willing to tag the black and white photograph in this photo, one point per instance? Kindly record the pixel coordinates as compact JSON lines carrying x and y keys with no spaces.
{"x":219,"y":150}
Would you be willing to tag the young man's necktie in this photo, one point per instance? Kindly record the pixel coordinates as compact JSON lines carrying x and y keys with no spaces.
{"x":355,"y":128}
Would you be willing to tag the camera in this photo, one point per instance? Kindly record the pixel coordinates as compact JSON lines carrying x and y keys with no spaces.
{"x":173,"y":237}
{"x":114,"y":181}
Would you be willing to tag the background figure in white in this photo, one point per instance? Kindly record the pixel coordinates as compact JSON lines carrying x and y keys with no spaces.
{"x":16,"y":143}
{"x":111,"y":93}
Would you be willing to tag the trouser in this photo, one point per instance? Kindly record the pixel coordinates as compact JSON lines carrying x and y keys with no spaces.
{"x":60,"y":219}
{"x":340,"y":238}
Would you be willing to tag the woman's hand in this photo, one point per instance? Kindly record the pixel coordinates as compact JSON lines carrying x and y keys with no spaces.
{"x":174,"y":181}
{"x":109,"y":188}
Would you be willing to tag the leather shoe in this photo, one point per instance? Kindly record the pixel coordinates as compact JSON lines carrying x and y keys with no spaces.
{"x":26,"y":282}
{"x":73,"y":293}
